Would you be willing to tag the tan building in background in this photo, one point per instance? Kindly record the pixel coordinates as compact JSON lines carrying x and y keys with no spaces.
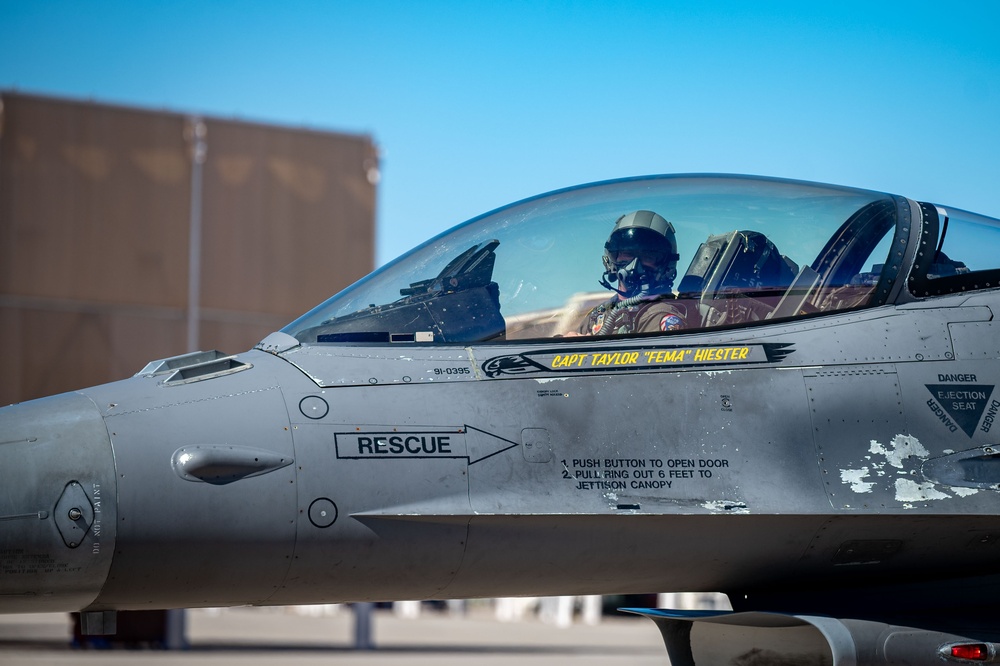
{"x":128,"y":235}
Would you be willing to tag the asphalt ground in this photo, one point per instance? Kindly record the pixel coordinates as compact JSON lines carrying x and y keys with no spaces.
{"x":266,"y":636}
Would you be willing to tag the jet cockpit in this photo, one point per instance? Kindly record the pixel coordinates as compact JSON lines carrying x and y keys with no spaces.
{"x":757,"y":250}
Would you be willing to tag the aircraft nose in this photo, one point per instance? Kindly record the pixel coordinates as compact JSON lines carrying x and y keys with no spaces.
{"x":57,"y":504}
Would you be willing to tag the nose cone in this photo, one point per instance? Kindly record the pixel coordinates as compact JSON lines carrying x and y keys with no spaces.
{"x":57,"y":504}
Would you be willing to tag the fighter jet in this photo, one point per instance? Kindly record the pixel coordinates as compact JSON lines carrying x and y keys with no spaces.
{"x":545,"y":401}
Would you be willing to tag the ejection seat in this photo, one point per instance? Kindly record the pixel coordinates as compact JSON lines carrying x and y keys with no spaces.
{"x":734,"y":278}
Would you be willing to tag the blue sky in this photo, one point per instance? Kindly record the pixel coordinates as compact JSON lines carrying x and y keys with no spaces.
{"x":474,"y":105}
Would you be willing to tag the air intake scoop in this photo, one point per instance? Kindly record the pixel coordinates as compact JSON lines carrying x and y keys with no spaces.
{"x":224,"y":464}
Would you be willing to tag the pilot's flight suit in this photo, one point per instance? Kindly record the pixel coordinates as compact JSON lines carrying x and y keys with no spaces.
{"x":634,"y":315}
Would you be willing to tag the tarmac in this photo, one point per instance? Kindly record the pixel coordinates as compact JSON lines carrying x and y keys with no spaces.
{"x":272,"y":636}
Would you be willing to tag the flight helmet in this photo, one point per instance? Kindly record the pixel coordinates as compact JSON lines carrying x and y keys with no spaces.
{"x":650,"y":263}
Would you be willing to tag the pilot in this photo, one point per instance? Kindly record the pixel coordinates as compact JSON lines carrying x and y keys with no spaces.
{"x":640,"y":265}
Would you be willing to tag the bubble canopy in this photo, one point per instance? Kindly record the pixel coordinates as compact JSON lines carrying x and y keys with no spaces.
{"x":754,"y":249}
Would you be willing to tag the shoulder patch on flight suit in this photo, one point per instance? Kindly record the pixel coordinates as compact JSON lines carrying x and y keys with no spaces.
{"x":671,"y":322}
